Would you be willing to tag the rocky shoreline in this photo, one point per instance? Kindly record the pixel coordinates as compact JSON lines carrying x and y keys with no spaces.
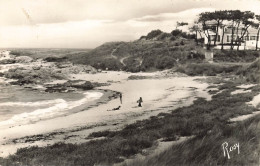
{"x":29,"y":72}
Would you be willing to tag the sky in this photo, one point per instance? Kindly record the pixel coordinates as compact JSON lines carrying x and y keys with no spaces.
{"x":89,"y":23}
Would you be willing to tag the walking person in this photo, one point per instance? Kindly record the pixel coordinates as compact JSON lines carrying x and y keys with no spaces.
{"x":140,"y":102}
{"x":120,"y":96}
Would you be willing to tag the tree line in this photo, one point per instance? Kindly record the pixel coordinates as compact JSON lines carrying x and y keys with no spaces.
{"x":235,"y":20}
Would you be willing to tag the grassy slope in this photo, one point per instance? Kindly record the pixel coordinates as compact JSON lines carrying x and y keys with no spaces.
{"x":203,"y":119}
{"x":153,"y":54}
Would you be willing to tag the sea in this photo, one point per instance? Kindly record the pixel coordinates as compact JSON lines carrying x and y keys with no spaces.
{"x":20,"y":105}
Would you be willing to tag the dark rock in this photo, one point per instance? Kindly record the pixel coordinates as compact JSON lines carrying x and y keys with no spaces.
{"x":63,"y":65}
{"x":7,"y":61}
{"x":85,"y":85}
{"x":22,"y":81}
{"x":97,"y":84}
{"x":137,"y":77}
{"x":60,"y":90}
{"x":14,"y":75}
{"x":55,"y":59}
{"x":23,"y":59}
{"x":36,"y":67}
{"x":56,"y":88}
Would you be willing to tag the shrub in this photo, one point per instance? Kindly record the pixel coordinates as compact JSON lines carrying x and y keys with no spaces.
{"x":149,"y":62}
{"x":109,"y":63}
{"x":165,"y":62}
{"x":153,"y":34}
{"x":173,"y":38}
{"x":142,"y":37}
{"x":176,"y":32}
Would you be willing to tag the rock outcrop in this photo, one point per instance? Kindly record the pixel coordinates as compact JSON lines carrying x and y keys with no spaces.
{"x":69,"y":86}
{"x":75,"y":69}
{"x":23,"y":59}
{"x":79,"y":84}
{"x":27,"y":76}
{"x":7,"y":61}
{"x":39,"y":72}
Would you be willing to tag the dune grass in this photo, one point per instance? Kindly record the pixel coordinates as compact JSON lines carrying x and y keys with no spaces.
{"x":236,"y":56}
{"x":207,"y":69}
{"x":207,"y":149}
{"x":251,"y":72}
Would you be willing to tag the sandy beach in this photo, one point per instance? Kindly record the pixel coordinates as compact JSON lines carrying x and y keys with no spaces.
{"x":159,"y":91}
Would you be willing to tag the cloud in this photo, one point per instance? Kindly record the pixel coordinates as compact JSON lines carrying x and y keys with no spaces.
{"x":56,"y":11}
{"x":186,"y":15}
{"x":88,"y":23}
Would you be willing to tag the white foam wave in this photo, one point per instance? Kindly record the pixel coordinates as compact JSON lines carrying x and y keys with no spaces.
{"x":2,"y":80}
{"x":32,"y":104}
{"x":4,"y":55}
{"x":59,"y":108}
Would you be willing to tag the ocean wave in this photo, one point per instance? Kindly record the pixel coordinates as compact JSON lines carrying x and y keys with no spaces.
{"x":32,"y":104}
{"x":61,"y":107}
{"x":4,"y":55}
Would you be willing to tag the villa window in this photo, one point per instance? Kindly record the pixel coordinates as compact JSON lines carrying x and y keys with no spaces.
{"x":246,"y":38}
{"x":228,"y":38}
{"x":214,"y":28}
{"x":212,"y":37}
{"x":234,"y":37}
{"x":218,"y":38}
{"x":252,"y":37}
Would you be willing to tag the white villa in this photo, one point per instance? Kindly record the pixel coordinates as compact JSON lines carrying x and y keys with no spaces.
{"x":247,"y":42}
